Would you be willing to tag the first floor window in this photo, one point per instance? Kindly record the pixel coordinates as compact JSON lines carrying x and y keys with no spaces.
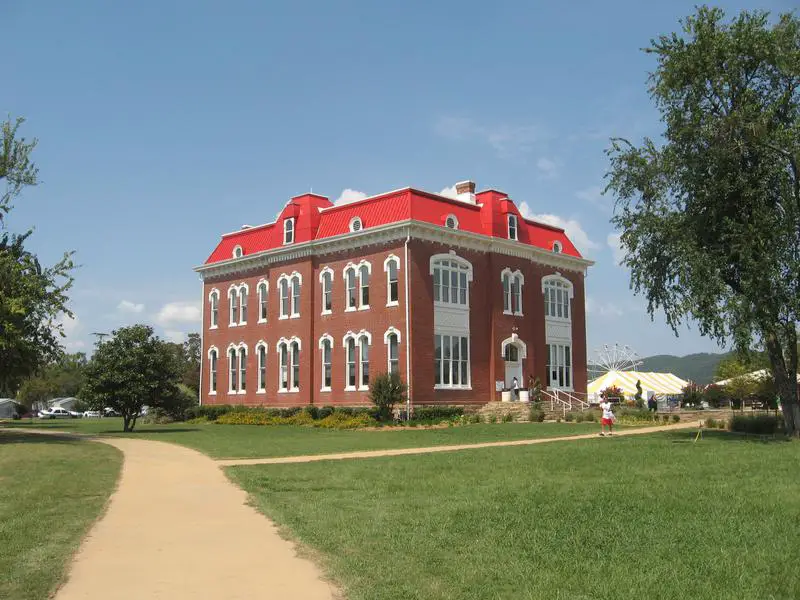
{"x":295,"y":365}
{"x":327,"y":350}
{"x":232,"y":370}
{"x":284,"y":366}
{"x":559,"y":365}
{"x":212,"y":371}
{"x":394,"y":354}
{"x":364,"y":352}
{"x":242,"y":369}
{"x":351,"y":362}
{"x":262,"y":368}
{"x":451,"y":361}
{"x":289,"y":353}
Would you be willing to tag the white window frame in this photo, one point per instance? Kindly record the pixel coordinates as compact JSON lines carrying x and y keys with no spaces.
{"x":557,"y":247}
{"x":363,"y":267}
{"x":513,"y":226}
{"x":392,"y":331}
{"x":326,"y":273}
{"x":233,"y":367}
{"x":284,"y":293}
{"x":237,"y":251}
{"x":242,"y":368}
{"x":444,"y":263}
{"x":557,"y":362}
{"x":357,"y":338}
{"x":288,"y":231}
{"x":345,"y":272}
{"x":555,"y":283}
{"x":213,"y":370}
{"x":261,"y":369}
{"x":453,"y":218}
{"x":263,"y":300}
{"x":244,"y":293}
{"x":296,"y":282}
{"x":325,"y":339}
{"x":213,"y":308}
{"x":290,"y":366}
{"x":512,"y":303}
{"x":233,"y":304}
{"x":449,"y":363}
{"x":353,"y":222}
{"x":392,"y":259}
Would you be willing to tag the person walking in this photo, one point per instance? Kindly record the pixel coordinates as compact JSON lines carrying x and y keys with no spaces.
{"x":608,"y":418}
{"x":515,"y":387}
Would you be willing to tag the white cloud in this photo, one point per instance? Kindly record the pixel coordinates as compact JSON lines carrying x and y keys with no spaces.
{"x":128,"y":307}
{"x":507,"y":141}
{"x":178,"y":312}
{"x":75,"y":346}
{"x":593,"y":195}
{"x":449,"y":192}
{"x":69,"y":326}
{"x":603,"y":309}
{"x":571,"y":227}
{"x":349,"y":195}
{"x":613,"y":241}
{"x":547,"y":168}
{"x":173,"y":335}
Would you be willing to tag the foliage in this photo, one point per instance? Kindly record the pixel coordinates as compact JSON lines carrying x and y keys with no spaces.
{"x":638,"y":397}
{"x":208,"y":411}
{"x":61,"y":379}
{"x":335,"y":420}
{"x":756,"y":424}
{"x":611,"y":393}
{"x":692,"y":395}
{"x":386,"y":391}
{"x":535,"y":392}
{"x":710,"y":219}
{"x":437,"y":413}
{"x":715,"y":396}
{"x":536,"y":414}
{"x":132,"y":370}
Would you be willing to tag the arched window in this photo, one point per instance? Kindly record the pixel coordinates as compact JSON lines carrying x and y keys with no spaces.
{"x":288,"y":231}
{"x":296,"y":295}
{"x":213,"y":357}
{"x":557,"y":293}
{"x":513,"y":227}
{"x":213,"y":300}
{"x":261,"y":355}
{"x":357,"y":372}
{"x":507,"y":293}
{"x":326,"y":279}
{"x":392,"y":340}
{"x":350,"y":281}
{"x":243,"y":291}
{"x":233,"y":302}
{"x":237,"y":252}
{"x":283,"y":288}
{"x":233,"y":370}
{"x":451,"y":276}
{"x":363,"y":276}
{"x":451,"y":222}
{"x":355,"y":224}
{"x":557,"y":247}
{"x":283,"y":353}
{"x":350,"y":346}
{"x":512,"y":291}
{"x":295,"y":346}
{"x":326,"y":347}
{"x":392,"y":267}
{"x":364,"y":371}
{"x":263,"y":287}
{"x":289,"y":365}
{"x":242,"y":369}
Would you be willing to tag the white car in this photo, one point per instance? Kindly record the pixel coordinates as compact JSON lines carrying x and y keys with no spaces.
{"x":58,"y":413}
{"x":92,"y":414}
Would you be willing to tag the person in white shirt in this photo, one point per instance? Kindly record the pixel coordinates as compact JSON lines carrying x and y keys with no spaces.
{"x":608,"y":418}
{"x":515,"y":387}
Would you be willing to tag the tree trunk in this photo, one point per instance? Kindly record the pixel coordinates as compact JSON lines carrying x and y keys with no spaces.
{"x":785,"y":376}
{"x":133,"y":422}
{"x":126,"y":423}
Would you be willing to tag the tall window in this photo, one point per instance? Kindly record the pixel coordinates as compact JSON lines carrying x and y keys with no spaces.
{"x":451,"y":361}
{"x":232,"y":369}
{"x":556,"y":298}
{"x":288,"y":231}
{"x":243,"y":305}
{"x":289,"y":365}
{"x":327,"y":291}
{"x":512,"y":291}
{"x":506,"y":293}
{"x":242,"y":369}
{"x":212,"y":370}
{"x":516,"y":294}
{"x":283,"y":285}
{"x":393,"y":349}
{"x":450,"y":279}
{"x":295,"y":365}
{"x":283,"y":351}
{"x":363,"y":276}
{"x":512,"y":227}
{"x":364,"y":371}
{"x":296,"y":296}
{"x":261,"y":353}
{"x":392,"y":266}
{"x":214,"y":305}
{"x":352,"y":296}
{"x":559,"y":365}
{"x":262,"y":301}
{"x":233,"y":300}
{"x":351,"y":363}
{"x":327,"y":352}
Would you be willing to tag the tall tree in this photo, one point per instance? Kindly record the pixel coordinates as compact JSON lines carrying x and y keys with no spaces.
{"x":32,"y":296}
{"x":710,"y":215}
{"x":132,"y":370}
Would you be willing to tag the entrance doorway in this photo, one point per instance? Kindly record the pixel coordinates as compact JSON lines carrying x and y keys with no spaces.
{"x":513,"y":365}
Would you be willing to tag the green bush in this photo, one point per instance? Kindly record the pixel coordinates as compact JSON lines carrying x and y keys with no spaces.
{"x":325,"y":411}
{"x":437,"y":413}
{"x":676,"y":418}
{"x":590,"y":416}
{"x":508,"y":417}
{"x":756,"y":424}
{"x":710,"y":423}
{"x":665,"y":419}
{"x":569,"y":417}
{"x":209,"y":411}
{"x":492,"y":419}
{"x":476,"y":418}
{"x":387,"y":391}
{"x":312,"y":411}
{"x":536,"y":415}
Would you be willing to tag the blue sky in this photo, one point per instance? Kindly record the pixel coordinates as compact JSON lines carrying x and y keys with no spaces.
{"x":164,"y":124}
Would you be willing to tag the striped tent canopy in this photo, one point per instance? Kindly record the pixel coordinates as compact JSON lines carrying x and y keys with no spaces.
{"x":661,"y":384}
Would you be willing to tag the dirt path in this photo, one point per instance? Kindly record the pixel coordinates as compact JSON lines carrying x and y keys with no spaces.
{"x":177,"y":529}
{"x":403,"y":451}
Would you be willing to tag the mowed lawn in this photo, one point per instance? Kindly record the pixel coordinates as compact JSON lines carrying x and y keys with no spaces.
{"x":250,"y":441}
{"x":51,"y":491}
{"x":653,"y":516}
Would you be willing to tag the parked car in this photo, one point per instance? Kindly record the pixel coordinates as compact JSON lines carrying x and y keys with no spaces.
{"x":110,"y":412}
{"x":58,"y":413}
{"x":92,"y":414}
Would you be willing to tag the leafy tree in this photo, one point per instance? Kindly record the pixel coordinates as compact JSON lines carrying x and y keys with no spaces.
{"x":63,"y":378}
{"x":612,"y":392}
{"x":132,"y":370}
{"x":710,"y":217}
{"x":692,"y":394}
{"x":715,"y":396}
{"x":191,"y":355}
{"x":386,"y":391}
{"x":32,"y":296}
{"x":638,"y":397}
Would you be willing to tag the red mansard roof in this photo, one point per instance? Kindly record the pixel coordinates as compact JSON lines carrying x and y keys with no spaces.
{"x":317,"y":218}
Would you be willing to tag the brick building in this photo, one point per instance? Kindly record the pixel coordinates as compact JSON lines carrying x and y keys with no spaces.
{"x":455,"y":294}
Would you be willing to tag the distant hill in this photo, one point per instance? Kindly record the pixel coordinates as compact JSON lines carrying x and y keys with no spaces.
{"x":699,"y":368}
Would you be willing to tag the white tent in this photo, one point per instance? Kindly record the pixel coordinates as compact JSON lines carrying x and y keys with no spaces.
{"x":658,"y":384}
{"x":755,"y":376}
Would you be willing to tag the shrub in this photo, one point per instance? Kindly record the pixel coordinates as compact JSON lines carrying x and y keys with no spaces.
{"x":492,"y":419}
{"x":756,"y":424}
{"x":536,"y":415}
{"x":676,"y":418}
{"x":710,"y":423}
{"x":692,"y":395}
{"x":437,"y":413}
{"x":722,"y":424}
{"x":476,"y":418}
{"x":569,"y":417}
{"x":312,"y":411}
{"x":590,"y":416}
{"x":715,"y":396}
{"x":665,"y":419}
{"x":325,"y":411}
{"x":209,"y":411}
{"x":508,"y":417}
{"x":386,"y":391}
{"x":611,"y":393}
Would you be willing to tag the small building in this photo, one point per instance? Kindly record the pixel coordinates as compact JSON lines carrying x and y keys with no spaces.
{"x":653,"y":384}
{"x":65,"y":403}
{"x":9,"y":407}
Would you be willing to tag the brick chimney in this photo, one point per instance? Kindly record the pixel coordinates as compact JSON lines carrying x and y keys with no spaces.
{"x":465,"y":191}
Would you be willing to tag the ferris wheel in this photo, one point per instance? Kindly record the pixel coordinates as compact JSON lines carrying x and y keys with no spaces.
{"x":613,"y":357}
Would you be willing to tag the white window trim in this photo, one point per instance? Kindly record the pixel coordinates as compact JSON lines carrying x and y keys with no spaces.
{"x":353,"y":221}
{"x":516,"y":227}
{"x":322,"y":274}
{"x":325,"y":338}
{"x":246,"y":288}
{"x":363,"y":263}
{"x":235,"y":349}
{"x":237,"y":248}
{"x":455,"y":221}
{"x":291,"y":221}
{"x":357,"y":279}
{"x":258,"y":346}
{"x":295,"y":314}
{"x":564,"y":344}
{"x":450,"y":386}
{"x":293,"y":389}
{"x":233,"y":290}
{"x":557,"y":247}
{"x":452,"y":256}
{"x":242,"y":347}
{"x":392,"y":331}
{"x":210,"y":350}
{"x":392,"y":259}
{"x":512,"y":275}
{"x":258,"y":295}
{"x":289,"y":278}
{"x":570,"y":294}
{"x":359,"y":373}
{"x":211,"y":294}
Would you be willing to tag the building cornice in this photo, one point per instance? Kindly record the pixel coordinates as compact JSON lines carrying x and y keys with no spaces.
{"x":397,"y":231}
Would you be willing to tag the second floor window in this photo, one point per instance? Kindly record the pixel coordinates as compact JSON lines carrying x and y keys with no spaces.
{"x":233,"y":300}
{"x":392,"y":281}
{"x":363,"y":276}
{"x":450,"y":282}
{"x":214,"y":306}
{"x":296,"y":296}
{"x":327,"y":291}
{"x":262,"y":301}
{"x":352,"y":296}
{"x":283,"y":286}
{"x":556,"y":299}
{"x":242,"y":305}
{"x":512,"y":292}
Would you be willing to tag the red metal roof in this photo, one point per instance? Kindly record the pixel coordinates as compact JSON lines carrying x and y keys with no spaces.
{"x":317,"y":218}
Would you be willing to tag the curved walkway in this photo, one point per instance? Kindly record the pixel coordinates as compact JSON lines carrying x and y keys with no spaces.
{"x":177,"y":529}
{"x":426,"y":450}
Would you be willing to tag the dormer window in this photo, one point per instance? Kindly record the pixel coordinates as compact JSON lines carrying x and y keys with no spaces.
{"x":355,"y":224}
{"x":557,"y":247}
{"x":451,"y":222}
{"x":512,"y":227}
{"x":237,"y":252}
{"x":288,"y":231}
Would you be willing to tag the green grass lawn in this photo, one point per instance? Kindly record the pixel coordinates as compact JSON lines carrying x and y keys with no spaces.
{"x":249,"y":441}
{"x":51,"y":491}
{"x":653,"y":516}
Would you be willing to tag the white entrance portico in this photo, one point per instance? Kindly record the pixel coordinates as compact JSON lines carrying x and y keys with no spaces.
{"x":514,"y":351}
